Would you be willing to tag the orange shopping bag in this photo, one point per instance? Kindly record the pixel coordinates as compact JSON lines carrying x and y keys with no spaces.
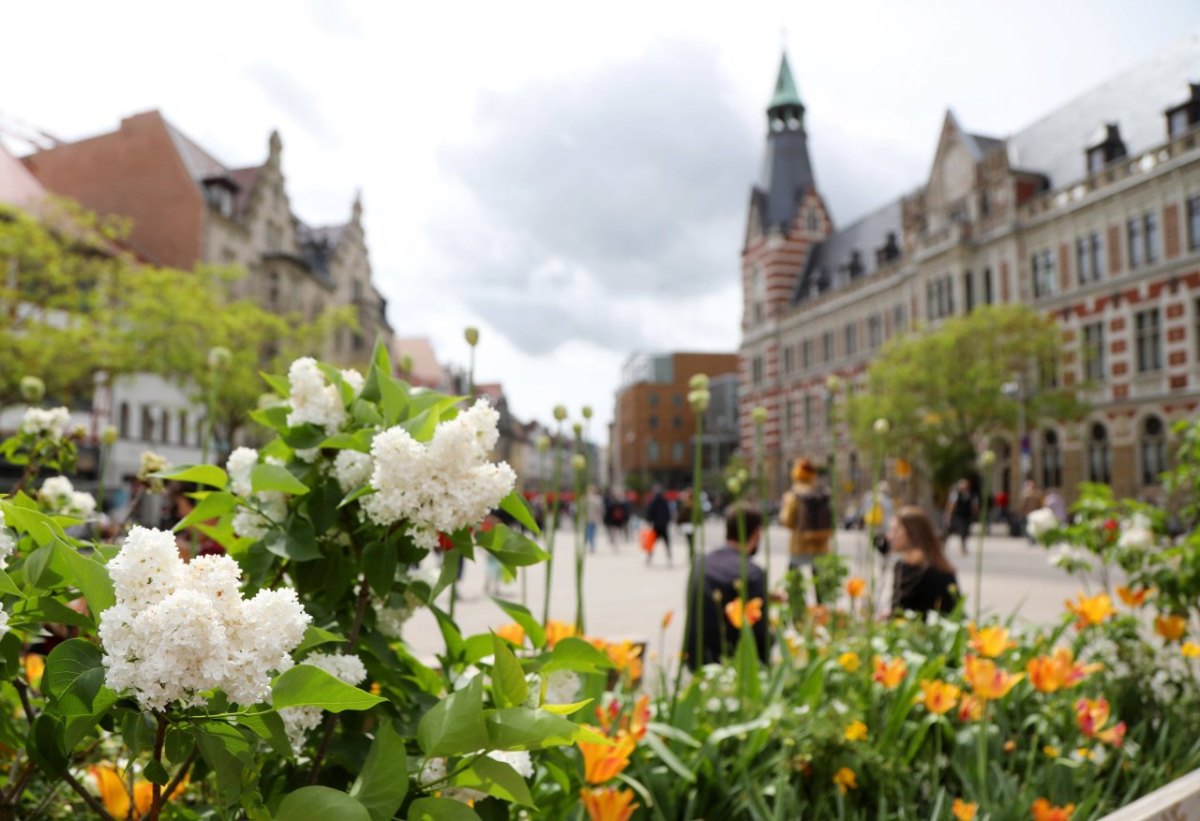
{"x":648,"y":537}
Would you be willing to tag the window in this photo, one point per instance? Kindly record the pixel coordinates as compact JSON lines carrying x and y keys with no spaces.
{"x":988,"y":298}
{"x":968,"y":291}
{"x":948,"y":291}
{"x":652,"y":399}
{"x":677,"y":452}
{"x":758,"y":293}
{"x":1178,"y":122}
{"x":165,"y":433}
{"x":789,"y":412}
{"x":1134,"y":236}
{"x":851,"y":339}
{"x":1193,"y":218}
{"x":874,"y":331}
{"x":123,"y":421}
{"x":806,"y":354}
{"x":652,"y":450}
{"x":787,"y":360}
{"x":808,"y":413}
{"x":273,"y":288}
{"x":274,"y":237}
{"x":1043,"y":275}
{"x":900,"y":319}
{"x":827,"y":346}
{"x":812,"y":221}
{"x":1051,"y":460}
{"x":201,"y":427}
{"x":756,"y":370}
{"x":829,"y":411}
{"x":1149,"y":341}
{"x":147,"y":424}
{"x":1096,"y":160}
{"x":1150,"y":222}
{"x":930,"y":301}
{"x":1196,"y":326}
{"x":1099,"y":455}
{"x":183,"y":420}
{"x":1152,"y":446}
{"x":653,"y":422}
{"x":677,"y":422}
{"x":677,"y":400}
{"x":1093,"y":352}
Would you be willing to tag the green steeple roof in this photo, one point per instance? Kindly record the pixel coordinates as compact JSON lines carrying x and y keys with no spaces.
{"x":785,"y":87}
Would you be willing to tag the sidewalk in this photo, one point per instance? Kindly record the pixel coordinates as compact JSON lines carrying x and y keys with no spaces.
{"x":627,"y":599}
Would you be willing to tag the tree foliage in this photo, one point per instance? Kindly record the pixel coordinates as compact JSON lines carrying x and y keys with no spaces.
{"x":943,"y":390}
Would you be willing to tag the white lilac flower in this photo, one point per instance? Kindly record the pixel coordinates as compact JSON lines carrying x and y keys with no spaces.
{"x":433,"y":771}
{"x":1137,"y":533}
{"x":354,"y":379}
{"x":308,"y":454}
{"x":298,"y":721}
{"x":519,"y":760}
{"x":7,"y":543}
{"x":442,"y":485}
{"x":49,"y":422}
{"x":1040,"y":522}
{"x":562,"y":686}
{"x":61,"y":497}
{"x":178,"y":629}
{"x":151,"y":462}
{"x":4,"y":628}
{"x":313,"y":400}
{"x":239,"y":465}
{"x":353,"y":469}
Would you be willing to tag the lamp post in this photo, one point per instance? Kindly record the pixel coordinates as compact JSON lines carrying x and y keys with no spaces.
{"x":1016,"y":390}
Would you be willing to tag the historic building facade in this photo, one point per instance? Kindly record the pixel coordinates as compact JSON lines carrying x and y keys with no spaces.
{"x":1091,"y":214}
{"x":188,"y":208}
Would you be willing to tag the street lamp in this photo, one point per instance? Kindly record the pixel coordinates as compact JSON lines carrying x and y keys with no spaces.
{"x":1016,"y":390}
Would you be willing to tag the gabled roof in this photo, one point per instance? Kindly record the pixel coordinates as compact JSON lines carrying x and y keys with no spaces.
{"x":830,"y":260}
{"x":1136,"y":100}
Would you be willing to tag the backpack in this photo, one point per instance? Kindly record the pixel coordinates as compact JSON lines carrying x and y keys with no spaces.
{"x":816,"y":510}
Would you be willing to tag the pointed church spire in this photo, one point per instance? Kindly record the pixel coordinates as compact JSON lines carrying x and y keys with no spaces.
{"x":787,"y":170}
{"x":786,"y":93}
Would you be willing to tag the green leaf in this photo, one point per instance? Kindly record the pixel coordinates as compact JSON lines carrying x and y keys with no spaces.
{"x":44,"y":745}
{"x":455,"y":725}
{"x":669,"y":758}
{"x":8,"y":586}
{"x":567,"y":709}
{"x":383,"y":782}
{"x":37,"y":565}
{"x":228,"y":753}
{"x":747,"y":664}
{"x":45,"y":609}
{"x":393,"y":399}
{"x":523,"y":728}
{"x":156,"y":773}
{"x":275,"y":477}
{"x":495,"y":778}
{"x":379,"y":565}
{"x":523,"y":617}
{"x":320,"y":804}
{"x":298,"y":542}
{"x":303,"y":437}
{"x":269,"y":727}
{"x":360,"y":440}
{"x":279,"y":384}
{"x":509,"y":687}
{"x":514,"y":505}
{"x":322,"y":506}
{"x":440,"y":809}
{"x":89,"y":576}
{"x":511,"y":548}
{"x":449,"y":574}
{"x":315,"y":637}
{"x":576,"y":654}
{"x":455,"y":647}
{"x":74,"y":675}
{"x":274,"y":418}
{"x":308,"y":686}
{"x":355,"y":495}
{"x":211,"y":506}
{"x":210,"y":475}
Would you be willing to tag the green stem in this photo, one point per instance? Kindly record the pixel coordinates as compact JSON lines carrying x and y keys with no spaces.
{"x":552,"y":524}
{"x":696,"y":557}
{"x":210,"y":420}
{"x":580,"y":547}
{"x":156,"y":789}
{"x":871,"y":539}
{"x":983,"y":525}
{"x":759,"y":459}
{"x":982,"y":753}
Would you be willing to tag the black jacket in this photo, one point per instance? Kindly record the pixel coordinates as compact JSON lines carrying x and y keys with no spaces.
{"x":923,"y":588}
{"x":658,"y":512}
{"x":722,"y":573}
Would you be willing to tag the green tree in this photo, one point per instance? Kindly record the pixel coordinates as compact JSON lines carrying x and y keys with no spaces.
{"x":943,"y":390}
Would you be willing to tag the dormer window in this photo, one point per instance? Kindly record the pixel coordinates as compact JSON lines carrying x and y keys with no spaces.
{"x":890,"y":250}
{"x":1183,"y":117}
{"x":1105,"y":146}
{"x":218,"y":192}
{"x":823,"y":282}
{"x":855,"y":267}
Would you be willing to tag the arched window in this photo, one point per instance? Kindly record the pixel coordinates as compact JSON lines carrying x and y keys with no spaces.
{"x":123,"y":421}
{"x":1051,"y":460}
{"x":813,"y":222}
{"x":1152,"y":445}
{"x":1099,"y":455}
{"x":164,"y":432}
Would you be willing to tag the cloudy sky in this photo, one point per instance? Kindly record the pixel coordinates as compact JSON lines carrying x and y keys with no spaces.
{"x":571,"y":179}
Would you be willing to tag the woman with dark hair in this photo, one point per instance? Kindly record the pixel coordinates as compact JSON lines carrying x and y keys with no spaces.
{"x":924,"y":580}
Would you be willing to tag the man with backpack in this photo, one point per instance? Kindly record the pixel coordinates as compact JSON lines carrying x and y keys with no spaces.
{"x":806,"y":510}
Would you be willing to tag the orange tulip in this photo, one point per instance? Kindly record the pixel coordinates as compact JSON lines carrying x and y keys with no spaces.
{"x":855,"y":731}
{"x":890,"y":673}
{"x":819,"y":614}
{"x":626,"y":657}
{"x":988,"y":681}
{"x":1133,"y":598}
{"x":640,"y":717}
{"x":607,"y":804}
{"x":964,"y":811}
{"x":1091,"y":611}
{"x":990,"y":641}
{"x":751,"y":612}
{"x":1171,"y":628}
{"x":1043,"y":810}
{"x":855,"y":586}
{"x":115,"y":795}
{"x":35,"y":666}
{"x":1049,"y":674}
{"x":603,"y":762}
{"x":512,"y":633}
{"x":666,"y":619}
{"x":557,"y":630}
{"x":970,"y":709}
{"x":845,"y":780}
{"x":1092,"y":716}
{"x":1190,"y":649}
{"x":939,"y":697}
{"x":849,"y":661}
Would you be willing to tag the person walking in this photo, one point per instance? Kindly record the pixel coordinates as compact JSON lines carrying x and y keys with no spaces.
{"x":923,"y":578}
{"x":806,"y":511}
{"x":722,"y":580}
{"x":595,"y":517}
{"x":658,"y":514}
{"x":962,"y":508}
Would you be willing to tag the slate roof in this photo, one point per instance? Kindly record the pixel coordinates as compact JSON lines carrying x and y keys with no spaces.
{"x":829,"y":265}
{"x":244,"y":179}
{"x":1136,"y":100}
{"x":200,"y":164}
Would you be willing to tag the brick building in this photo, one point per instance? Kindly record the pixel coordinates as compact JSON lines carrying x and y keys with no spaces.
{"x":653,"y":428}
{"x":1091,"y":214}
{"x":189,"y":208}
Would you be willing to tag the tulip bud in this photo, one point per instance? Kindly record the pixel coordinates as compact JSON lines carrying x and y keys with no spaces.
{"x":987,"y":458}
{"x":32,"y":389}
{"x":759,"y":415}
{"x":77,"y":431}
{"x":578,"y":429}
{"x":472,"y":336}
{"x":734,"y":485}
{"x":579,"y":462}
{"x":218,"y":357}
{"x":699,"y":382}
{"x":587,"y":411}
{"x":698,"y":399}
{"x":109,"y":435}
{"x":882,"y":426}
{"x":542,"y":443}
{"x":560,"y":412}
{"x":151,"y":463}
{"x":744,"y":475}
